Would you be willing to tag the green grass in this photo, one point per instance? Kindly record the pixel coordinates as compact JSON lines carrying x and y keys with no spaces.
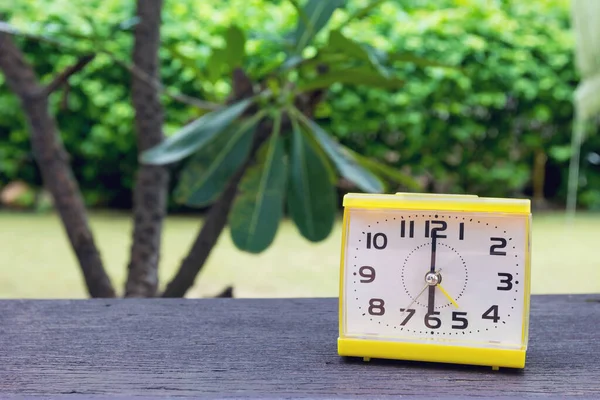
{"x":37,"y":261}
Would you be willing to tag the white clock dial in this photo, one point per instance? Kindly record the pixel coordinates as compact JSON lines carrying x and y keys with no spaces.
{"x":447,"y":277}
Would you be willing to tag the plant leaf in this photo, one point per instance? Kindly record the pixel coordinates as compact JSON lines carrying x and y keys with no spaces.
{"x":235,"y":50}
{"x":353,"y":76}
{"x":340,"y":43}
{"x":195,"y":135}
{"x":318,"y":13}
{"x":385,"y":170}
{"x":258,"y":207}
{"x":348,"y":167}
{"x":362,"y":12}
{"x":209,"y":170}
{"x":215,"y":64}
{"x":301,"y":14}
{"x":311,"y":194}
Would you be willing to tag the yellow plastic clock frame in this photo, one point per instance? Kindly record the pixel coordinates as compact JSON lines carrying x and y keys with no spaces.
{"x":495,"y":358}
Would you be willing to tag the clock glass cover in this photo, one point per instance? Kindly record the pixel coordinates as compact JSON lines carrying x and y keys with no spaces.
{"x":442,"y":277}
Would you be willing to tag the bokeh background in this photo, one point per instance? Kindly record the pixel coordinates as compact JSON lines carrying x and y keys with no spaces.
{"x":497,"y":121}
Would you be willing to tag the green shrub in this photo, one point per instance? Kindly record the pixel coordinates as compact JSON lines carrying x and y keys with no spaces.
{"x":476,"y":130}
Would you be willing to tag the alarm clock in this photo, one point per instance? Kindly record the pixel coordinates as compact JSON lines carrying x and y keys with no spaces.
{"x":435,"y":278}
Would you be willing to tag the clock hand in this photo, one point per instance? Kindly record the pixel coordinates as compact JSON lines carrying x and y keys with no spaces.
{"x":431,"y":277}
{"x":420,"y":293}
{"x":433,"y":250}
{"x":447,"y":295}
{"x":415,"y":299}
{"x":431,"y":300}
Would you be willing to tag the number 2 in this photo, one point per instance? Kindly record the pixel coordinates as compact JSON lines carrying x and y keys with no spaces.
{"x":494,"y":247}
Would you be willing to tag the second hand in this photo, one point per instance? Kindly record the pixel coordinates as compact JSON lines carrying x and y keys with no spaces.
{"x":420,"y":293}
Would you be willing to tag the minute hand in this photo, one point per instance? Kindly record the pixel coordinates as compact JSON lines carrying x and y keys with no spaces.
{"x":433,"y":250}
{"x":431,"y":300}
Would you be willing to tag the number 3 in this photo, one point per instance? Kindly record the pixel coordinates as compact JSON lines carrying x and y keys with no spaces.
{"x":507,"y":280}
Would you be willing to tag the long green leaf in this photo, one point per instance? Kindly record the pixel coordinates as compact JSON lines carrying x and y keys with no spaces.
{"x":216,"y":63}
{"x":341,"y":44}
{"x":301,"y":14}
{"x":311,"y":195}
{"x":208,"y":171}
{"x":352,"y":76}
{"x":236,"y":45}
{"x":348,"y":167}
{"x":258,"y":207}
{"x":387,"y":171}
{"x":318,"y":13}
{"x":194,"y":135}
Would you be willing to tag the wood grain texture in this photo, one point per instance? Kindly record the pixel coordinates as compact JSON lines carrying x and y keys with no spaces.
{"x":235,"y":348}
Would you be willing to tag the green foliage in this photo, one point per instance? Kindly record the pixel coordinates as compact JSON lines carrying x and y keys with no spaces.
{"x":311,"y":194}
{"x":312,"y":18}
{"x":345,"y":163}
{"x":195,"y":135}
{"x":477,"y":128}
{"x":258,"y":207}
{"x":470,"y":130}
{"x":258,"y":204}
{"x":210,"y":168}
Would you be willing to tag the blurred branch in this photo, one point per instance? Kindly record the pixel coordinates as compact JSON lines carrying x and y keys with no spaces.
{"x":132,"y":68}
{"x":182,"y":98}
{"x":67,"y":73}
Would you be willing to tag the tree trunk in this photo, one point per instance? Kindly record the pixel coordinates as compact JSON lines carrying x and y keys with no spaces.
{"x":151,"y":185}
{"x":539,"y":177}
{"x":52,"y":159}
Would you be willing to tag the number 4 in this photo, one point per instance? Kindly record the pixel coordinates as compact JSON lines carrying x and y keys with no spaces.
{"x":491,"y":313}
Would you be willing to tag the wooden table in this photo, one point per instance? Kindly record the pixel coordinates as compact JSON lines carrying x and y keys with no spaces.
{"x":231,"y":348}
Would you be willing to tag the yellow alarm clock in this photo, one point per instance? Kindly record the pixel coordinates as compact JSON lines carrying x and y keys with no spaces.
{"x":437,"y":278}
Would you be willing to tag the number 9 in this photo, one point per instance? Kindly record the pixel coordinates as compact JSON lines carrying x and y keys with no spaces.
{"x":368,"y":273}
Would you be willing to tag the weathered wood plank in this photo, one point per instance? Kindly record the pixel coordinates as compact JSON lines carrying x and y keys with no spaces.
{"x":263,"y":348}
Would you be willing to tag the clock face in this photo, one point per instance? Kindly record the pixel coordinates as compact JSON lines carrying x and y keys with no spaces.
{"x":436,"y":277}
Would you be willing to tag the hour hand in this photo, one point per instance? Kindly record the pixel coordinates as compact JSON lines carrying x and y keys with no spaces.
{"x":432,"y":279}
{"x":445,"y":293}
{"x":431,"y":301}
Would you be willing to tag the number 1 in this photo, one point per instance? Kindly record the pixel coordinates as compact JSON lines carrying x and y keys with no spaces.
{"x":411,"y":228}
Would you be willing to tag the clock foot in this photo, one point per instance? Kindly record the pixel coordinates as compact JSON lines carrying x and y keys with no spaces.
{"x":495,"y":368}
{"x":366,"y":359}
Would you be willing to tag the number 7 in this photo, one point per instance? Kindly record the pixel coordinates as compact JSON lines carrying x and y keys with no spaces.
{"x":410,"y":311}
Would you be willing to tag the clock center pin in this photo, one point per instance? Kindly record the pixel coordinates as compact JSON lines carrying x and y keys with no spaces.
{"x":433,"y":278}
